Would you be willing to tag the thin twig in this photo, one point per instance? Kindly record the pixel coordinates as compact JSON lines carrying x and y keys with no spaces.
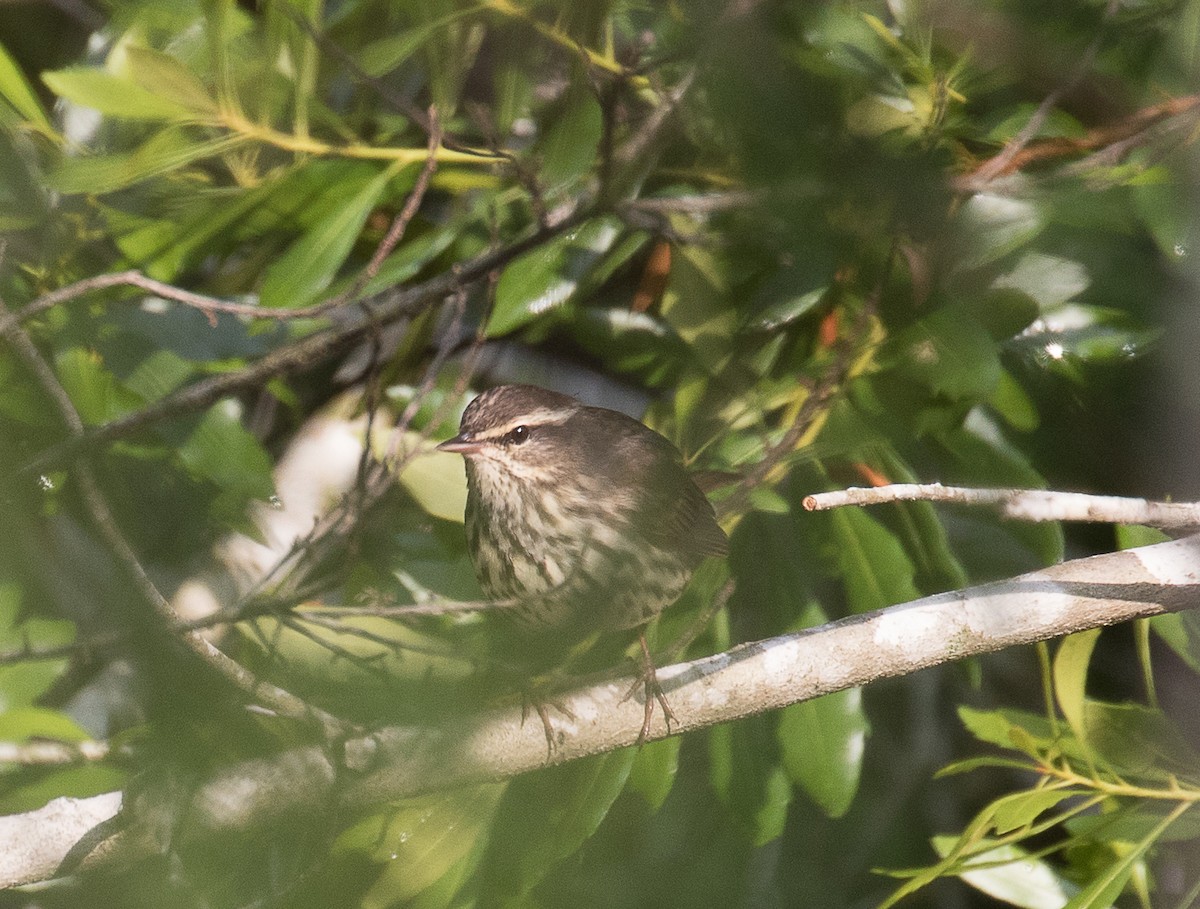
{"x":999,"y":164}
{"x":1021,"y":504}
{"x":388,"y":306}
{"x":106,"y":525}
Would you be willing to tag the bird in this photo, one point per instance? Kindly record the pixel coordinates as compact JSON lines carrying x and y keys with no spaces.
{"x":581,"y":519}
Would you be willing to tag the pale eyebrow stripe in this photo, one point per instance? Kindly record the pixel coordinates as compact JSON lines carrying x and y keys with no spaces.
{"x":540,"y":417}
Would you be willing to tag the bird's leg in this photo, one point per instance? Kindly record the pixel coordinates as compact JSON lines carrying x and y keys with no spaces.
{"x":541,"y":706}
{"x":652,"y":692}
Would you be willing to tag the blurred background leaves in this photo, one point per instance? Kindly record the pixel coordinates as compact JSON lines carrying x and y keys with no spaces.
{"x":791,"y":239}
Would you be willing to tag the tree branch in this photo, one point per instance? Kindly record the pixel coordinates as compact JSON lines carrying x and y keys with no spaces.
{"x":1021,"y":504}
{"x":398,"y":762}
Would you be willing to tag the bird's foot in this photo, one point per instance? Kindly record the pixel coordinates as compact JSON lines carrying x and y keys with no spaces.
{"x":538,"y":702}
{"x":651,"y":693}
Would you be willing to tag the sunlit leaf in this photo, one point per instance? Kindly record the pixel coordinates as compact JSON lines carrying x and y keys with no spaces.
{"x":421,"y":841}
{"x":17,"y":91}
{"x":1070,"y":677}
{"x":167,"y":78}
{"x":1049,"y":280}
{"x":995,"y":225}
{"x":438,"y":483}
{"x":1014,"y":876}
{"x":99,"y":89}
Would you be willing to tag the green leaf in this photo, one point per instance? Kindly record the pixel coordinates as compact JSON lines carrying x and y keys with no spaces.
{"x":545,"y":817}
{"x":160,"y":373}
{"x":438,"y":483}
{"x":409,"y":258}
{"x":569,"y":146}
{"x":309,"y":265}
{"x":788,"y":309}
{"x":696,"y":305}
{"x":384,"y":54}
{"x":1013,"y":404}
{"x":1139,"y":741}
{"x":221,"y":451}
{"x":17,"y":91}
{"x":1020,"y":809}
{"x":1105,"y":887}
{"x":421,"y":842}
{"x":822,"y":742}
{"x":873,"y":566}
{"x":1012,"y":876}
{"x":1020,"y":730}
{"x":1181,"y":632}
{"x":91,"y":387}
{"x":546,"y":277}
{"x":99,"y":89}
{"x":24,"y":723}
{"x":949,"y":352}
{"x":1070,"y":677}
{"x":1131,"y":822}
{"x":746,"y":776}
{"x":1049,"y":280}
{"x":21,"y":684}
{"x":654,"y":769}
{"x":164,"y":152}
{"x":992,"y":226}
{"x":169,"y":79}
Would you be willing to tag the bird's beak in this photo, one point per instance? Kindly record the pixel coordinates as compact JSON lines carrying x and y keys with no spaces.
{"x":461,"y":444}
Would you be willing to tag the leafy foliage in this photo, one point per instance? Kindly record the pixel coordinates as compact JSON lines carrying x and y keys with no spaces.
{"x":813,"y":243}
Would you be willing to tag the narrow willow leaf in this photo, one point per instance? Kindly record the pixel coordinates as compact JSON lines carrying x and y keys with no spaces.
{"x":162,"y":153}
{"x":383,"y":55}
{"x":168,"y":78}
{"x":1021,"y":809}
{"x":309,"y":265}
{"x":1070,"y":678}
{"x":19,"y":93}
{"x":99,"y":89}
{"x":1106,"y":886}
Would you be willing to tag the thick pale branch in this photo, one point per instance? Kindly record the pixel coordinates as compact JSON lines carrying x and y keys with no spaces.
{"x":397,"y":762}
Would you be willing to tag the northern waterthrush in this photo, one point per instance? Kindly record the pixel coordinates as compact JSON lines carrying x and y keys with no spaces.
{"x":581,"y":517}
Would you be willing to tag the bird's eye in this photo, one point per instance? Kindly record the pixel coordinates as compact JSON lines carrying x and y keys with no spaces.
{"x":518,"y":435}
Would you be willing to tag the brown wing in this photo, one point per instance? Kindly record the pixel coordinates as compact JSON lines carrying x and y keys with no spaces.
{"x":672,"y":512}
